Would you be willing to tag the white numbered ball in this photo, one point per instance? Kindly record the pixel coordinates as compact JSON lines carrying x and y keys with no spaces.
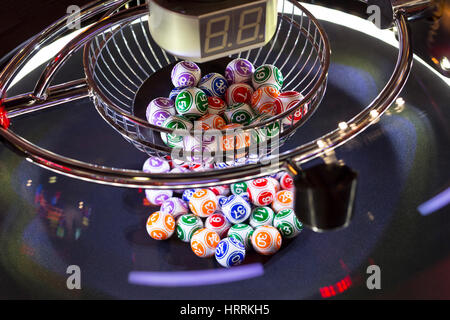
{"x":220,"y":201}
{"x":263,"y":100}
{"x":275,"y":183}
{"x":204,"y":243}
{"x":287,"y":223}
{"x":216,"y":105}
{"x":286,"y":181}
{"x":175,"y":123}
{"x":266,"y":240}
{"x":239,"y":188}
{"x":261,"y":192}
{"x":283,"y":200}
{"x":210,"y":121}
{"x":240,"y":113}
{"x":239,"y":70}
{"x":187,"y":194}
{"x":192,"y":103}
{"x":267,"y":75}
{"x":203,"y":203}
{"x":242,"y":232}
{"x":175,"y":207}
{"x":219,"y":224}
{"x":234,"y":139}
{"x":156,"y":165}
{"x":185,"y":73}
{"x":236,"y":209}
{"x":230,"y":252}
{"x":187,"y":225}
{"x":200,"y":152}
{"x":239,"y":93}
{"x":160,"y":226}
{"x":267,"y":131}
{"x":157,"y":197}
{"x":287,"y":101}
{"x":213,"y":84}
{"x":262,"y":216}
{"x":159,"y":110}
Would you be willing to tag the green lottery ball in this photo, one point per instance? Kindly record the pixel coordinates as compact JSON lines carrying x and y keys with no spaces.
{"x":242,"y":232}
{"x":266,"y":132}
{"x":175,"y":122}
{"x":187,"y":225}
{"x":239,"y":188}
{"x":287,"y":223}
{"x":240,"y":113}
{"x":267,"y":74}
{"x":191,"y":103}
{"x":262,"y":216}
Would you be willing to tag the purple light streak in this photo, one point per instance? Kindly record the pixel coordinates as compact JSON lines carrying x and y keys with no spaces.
{"x":437,"y":202}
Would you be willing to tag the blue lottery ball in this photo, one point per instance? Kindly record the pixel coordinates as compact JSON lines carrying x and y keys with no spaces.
{"x":214,"y":85}
{"x":187,"y":194}
{"x":230,"y":252}
{"x":221,"y":200}
{"x":174,"y":93}
{"x":236,"y":209}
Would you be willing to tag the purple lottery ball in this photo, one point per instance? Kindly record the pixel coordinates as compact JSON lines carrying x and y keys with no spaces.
{"x":185,"y":73}
{"x":239,"y":71}
{"x":156,"y":165}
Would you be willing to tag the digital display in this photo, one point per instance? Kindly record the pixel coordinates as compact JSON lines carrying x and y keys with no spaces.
{"x":233,"y":29}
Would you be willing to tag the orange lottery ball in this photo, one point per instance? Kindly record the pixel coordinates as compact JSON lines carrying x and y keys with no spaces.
{"x":266,"y":240}
{"x":203,"y":203}
{"x":204,"y":243}
{"x":160,"y":225}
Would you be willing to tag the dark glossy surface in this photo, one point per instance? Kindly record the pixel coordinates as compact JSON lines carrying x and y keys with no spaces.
{"x":401,"y":161}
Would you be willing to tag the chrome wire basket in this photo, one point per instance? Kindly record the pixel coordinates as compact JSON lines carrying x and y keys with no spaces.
{"x":120,"y":55}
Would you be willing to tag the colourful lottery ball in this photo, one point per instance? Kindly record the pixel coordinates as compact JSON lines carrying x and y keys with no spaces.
{"x":239,"y":188}
{"x":261,"y":192}
{"x":157,"y":197}
{"x":262,"y":216}
{"x":239,"y":70}
{"x":267,"y":131}
{"x":210,"y":121}
{"x":275,"y":183}
{"x":174,"y":93}
{"x":287,"y":223}
{"x":286,"y":181}
{"x":185,"y":73}
{"x":187,"y":194}
{"x":204,"y":243}
{"x":287,"y":101}
{"x":156,"y":165}
{"x":220,"y":190}
{"x":159,"y":110}
{"x":191,"y":103}
{"x":230,"y":252}
{"x":267,"y":75}
{"x":242,"y":232}
{"x":263,"y":100}
{"x":160,"y":226}
{"x":236,"y":209}
{"x":266,"y":240}
{"x":175,"y":207}
{"x":216,"y":105}
{"x":220,"y":201}
{"x":234,"y":138}
{"x":175,"y":123}
{"x":218,"y":223}
{"x":203,"y":203}
{"x":239,"y":93}
{"x":213,"y":84}
{"x":283,"y":200}
{"x":199,"y":151}
{"x":240,"y":113}
{"x":187,"y":225}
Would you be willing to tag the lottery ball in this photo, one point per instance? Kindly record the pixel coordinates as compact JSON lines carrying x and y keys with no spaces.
{"x":283,"y":200}
{"x":203,"y":203}
{"x":234,"y":138}
{"x":220,"y":201}
{"x":175,"y":123}
{"x":240,"y":113}
{"x":236,"y":209}
{"x":204,"y":243}
{"x":264,"y":132}
{"x":242,"y":232}
{"x":286,"y":181}
{"x":157,"y":197}
{"x":200,"y":167}
{"x":210,"y":121}
{"x":213,"y":84}
{"x":239,"y":70}
{"x":230,"y":252}
{"x":199,"y":151}
{"x":287,"y":223}
{"x":218,"y":223}
{"x":263,"y":100}
{"x":156,"y":165}
{"x":160,"y":226}
{"x":187,"y":194}
{"x":239,"y":188}
{"x":266,"y":240}
{"x":191,"y":103}
{"x":175,"y":207}
{"x":220,"y":190}
{"x":261,"y":192}
{"x":287,"y":101}
{"x":239,"y":93}
{"x":267,"y":75}
{"x":159,"y":110}
{"x":262,"y":216}
{"x":187,"y":225}
{"x":216,"y":105}
{"x":275,"y":183}
{"x":185,"y":73}
{"x":174,"y":93}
